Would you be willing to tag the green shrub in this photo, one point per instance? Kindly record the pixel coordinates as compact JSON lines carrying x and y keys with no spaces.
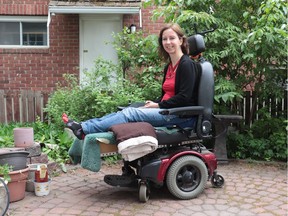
{"x":266,"y":140}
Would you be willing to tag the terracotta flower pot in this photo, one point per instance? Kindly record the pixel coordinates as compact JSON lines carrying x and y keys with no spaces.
{"x":17,"y":185}
{"x":23,"y":137}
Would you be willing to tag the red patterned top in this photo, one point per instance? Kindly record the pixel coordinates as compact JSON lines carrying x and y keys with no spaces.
{"x":169,"y":83}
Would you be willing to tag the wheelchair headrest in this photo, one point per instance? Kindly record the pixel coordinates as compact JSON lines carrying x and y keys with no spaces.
{"x":196,"y":44}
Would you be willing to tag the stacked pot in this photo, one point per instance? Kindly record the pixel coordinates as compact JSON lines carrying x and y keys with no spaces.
{"x":19,"y":174}
{"x":38,"y":173}
{"x":17,"y":159}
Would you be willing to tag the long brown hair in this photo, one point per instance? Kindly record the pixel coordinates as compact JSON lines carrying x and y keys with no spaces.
{"x":176,"y":28}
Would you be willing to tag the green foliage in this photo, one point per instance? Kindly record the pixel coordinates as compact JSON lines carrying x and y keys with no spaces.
{"x":136,"y":50}
{"x":6,"y":136}
{"x":266,"y":140}
{"x":248,"y":47}
{"x":69,"y":98}
{"x":4,"y":172}
{"x":98,"y":96}
{"x":112,"y":159}
{"x":59,"y":152}
{"x":248,"y":51}
{"x":144,"y":68}
{"x":225,"y":93}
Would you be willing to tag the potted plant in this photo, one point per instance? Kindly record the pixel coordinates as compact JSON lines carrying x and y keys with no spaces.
{"x":16,"y":181}
{"x":14,"y":169}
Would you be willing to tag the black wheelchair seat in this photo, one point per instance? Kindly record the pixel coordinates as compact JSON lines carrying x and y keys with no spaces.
{"x":175,"y":136}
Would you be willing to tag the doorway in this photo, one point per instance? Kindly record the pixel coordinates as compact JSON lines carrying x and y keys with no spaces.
{"x":96,"y":37}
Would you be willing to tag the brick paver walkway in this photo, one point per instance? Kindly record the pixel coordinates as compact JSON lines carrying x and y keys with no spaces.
{"x":250,"y":189}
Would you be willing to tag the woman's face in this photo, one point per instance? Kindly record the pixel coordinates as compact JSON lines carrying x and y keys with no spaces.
{"x":171,"y":42}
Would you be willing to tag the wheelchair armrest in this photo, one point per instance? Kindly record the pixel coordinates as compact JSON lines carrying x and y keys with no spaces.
{"x":184,"y":111}
{"x":119,"y":108}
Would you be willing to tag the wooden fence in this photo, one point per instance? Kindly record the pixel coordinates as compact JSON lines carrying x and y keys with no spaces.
{"x":22,"y":106}
{"x":26,"y":106}
{"x":251,"y":104}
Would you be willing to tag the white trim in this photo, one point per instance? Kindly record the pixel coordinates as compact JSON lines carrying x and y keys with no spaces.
{"x":23,"y":18}
{"x":100,"y":17}
{"x":93,"y":10}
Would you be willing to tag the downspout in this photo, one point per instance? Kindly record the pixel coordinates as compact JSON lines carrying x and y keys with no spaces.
{"x":49,"y":19}
{"x":140,"y":18}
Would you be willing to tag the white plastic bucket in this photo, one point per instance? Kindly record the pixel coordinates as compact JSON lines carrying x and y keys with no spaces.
{"x":42,"y":188}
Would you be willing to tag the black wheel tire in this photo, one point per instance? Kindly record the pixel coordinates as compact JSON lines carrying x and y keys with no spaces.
{"x":144,"y":193}
{"x":4,"y":197}
{"x":217,"y":181}
{"x":187,"y":177}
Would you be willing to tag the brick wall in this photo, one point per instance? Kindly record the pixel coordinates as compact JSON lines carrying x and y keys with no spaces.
{"x":40,"y":69}
{"x":27,"y":7}
{"x":148,"y":26}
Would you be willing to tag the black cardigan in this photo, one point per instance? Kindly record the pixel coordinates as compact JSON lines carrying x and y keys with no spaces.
{"x":185,"y":85}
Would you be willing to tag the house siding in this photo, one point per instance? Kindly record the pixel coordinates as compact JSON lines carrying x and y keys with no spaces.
{"x":40,"y":69}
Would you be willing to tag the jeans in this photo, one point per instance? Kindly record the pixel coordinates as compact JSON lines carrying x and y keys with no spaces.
{"x":131,"y":114}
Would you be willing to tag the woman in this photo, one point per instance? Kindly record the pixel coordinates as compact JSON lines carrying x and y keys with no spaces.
{"x":177,"y":90}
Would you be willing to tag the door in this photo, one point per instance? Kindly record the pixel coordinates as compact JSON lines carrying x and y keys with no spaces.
{"x":95,"y":32}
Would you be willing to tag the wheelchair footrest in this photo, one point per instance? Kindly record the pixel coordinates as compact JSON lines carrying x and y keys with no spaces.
{"x":121,"y":180}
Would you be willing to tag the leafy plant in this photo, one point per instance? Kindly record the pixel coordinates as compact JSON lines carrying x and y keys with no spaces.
{"x":4,"y":172}
{"x":247,"y":47}
{"x":59,"y":152}
{"x":112,"y":159}
{"x":144,"y":68}
{"x":225,"y":93}
{"x":266,"y":140}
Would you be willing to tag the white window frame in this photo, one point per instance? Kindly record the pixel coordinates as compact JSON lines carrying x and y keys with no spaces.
{"x":20,"y":19}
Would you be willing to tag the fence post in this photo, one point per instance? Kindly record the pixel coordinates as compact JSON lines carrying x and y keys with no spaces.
{"x":3,"y":111}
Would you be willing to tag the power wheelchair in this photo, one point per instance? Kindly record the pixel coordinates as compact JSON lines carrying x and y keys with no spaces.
{"x":181,"y":161}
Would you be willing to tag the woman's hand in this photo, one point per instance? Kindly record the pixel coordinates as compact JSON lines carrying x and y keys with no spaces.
{"x":151,"y":104}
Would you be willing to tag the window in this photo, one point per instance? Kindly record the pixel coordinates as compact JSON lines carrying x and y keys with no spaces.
{"x":25,"y":31}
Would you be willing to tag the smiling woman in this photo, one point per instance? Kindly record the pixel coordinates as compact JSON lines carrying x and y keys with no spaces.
{"x":177,"y":91}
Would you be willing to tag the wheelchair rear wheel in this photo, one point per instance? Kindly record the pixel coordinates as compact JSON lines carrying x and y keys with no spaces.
{"x":187,"y":177}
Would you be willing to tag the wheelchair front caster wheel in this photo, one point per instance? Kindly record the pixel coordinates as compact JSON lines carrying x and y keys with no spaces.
{"x":144,"y":192}
{"x":217,"y":181}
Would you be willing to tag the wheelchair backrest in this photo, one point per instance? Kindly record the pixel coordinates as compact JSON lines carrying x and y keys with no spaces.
{"x":205,"y":76}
